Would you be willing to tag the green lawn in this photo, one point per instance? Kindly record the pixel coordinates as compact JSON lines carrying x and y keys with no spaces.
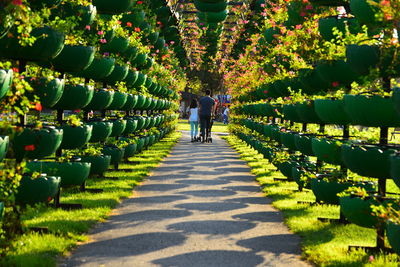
{"x":67,"y":228}
{"x":325,"y":244}
{"x":218,"y":127}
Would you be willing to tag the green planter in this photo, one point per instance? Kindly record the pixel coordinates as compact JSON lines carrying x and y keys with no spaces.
{"x":112,"y":7}
{"x":141,"y":79}
{"x":331,"y":111}
{"x":71,"y":173}
{"x":297,"y":172}
{"x":131,"y":78}
{"x":327,"y":191}
{"x":286,"y":168}
{"x":140,"y":60}
{"x":326,"y":26}
{"x":75,"y":137}
{"x":364,"y":11}
{"x":1,"y":211}
{"x":130,"y":149}
{"x":136,"y":17}
{"x":4,"y":142}
{"x":118,"y":127}
{"x":290,"y":113}
{"x":394,"y":168}
{"x":98,"y":69}
{"x":101,"y":130}
{"x":395,"y":98}
{"x":371,"y":111}
{"x":117,"y":154}
{"x":85,"y":14}
{"x":358,"y":211}
{"x":36,"y":143}
{"x":41,"y":189}
{"x":288,"y":140}
{"x":362,"y":58}
{"x":141,"y":122}
{"x":102,"y":99}
{"x":214,"y":6}
{"x":131,"y":126}
{"x":75,"y":97}
{"x":328,"y":150}
{"x":368,"y":160}
{"x":118,"y":74}
{"x":6,"y":77}
{"x":337,"y":73}
{"x":74,"y":58}
{"x":306,"y":113}
{"x":393,"y":235}
{"x":118,"y":101}
{"x":48,"y":45}
{"x":116,"y":45}
{"x":130,"y":103}
{"x":303,"y":143}
{"x":48,"y":91}
{"x":130,"y":53}
{"x":140,"y":144}
{"x":213,"y":17}
{"x":99,"y":164}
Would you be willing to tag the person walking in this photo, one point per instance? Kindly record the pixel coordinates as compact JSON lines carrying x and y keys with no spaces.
{"x":207,"y":107}
{"x":226,"y":115}
{"x":194,"y":120}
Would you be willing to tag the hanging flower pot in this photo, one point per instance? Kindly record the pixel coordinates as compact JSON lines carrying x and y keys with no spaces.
{"x":37,"y":190}
{"x":83,"y":15}
{"x":116,"y":45}
{"x":130,"y":53}
{"x":6,"y":77}
{"x":337,"y":73}
{"x":140,"y":60}
{"x":271,"y":34}
{"x":303,"y":143}
{"x":141,"y":122}
{"x":311,"y":82}
{"x":395,"y":98}
{"x":36,"y":143}
{"x":102,"y":99}
{"x":118,"y":74}
{"x":118,"y":127}
{"x":131,"y":126}
{"x":358,"y":210}
{"x":140,"y":144}
{"x":394,"y":168}
{"x":212,"y":6}
{"x":75,"y":97}
{"x":290,"y":113}
{"x":287,"y":139}
{"x":131,"y":78}
{"x":74,"y":58}
{"x":75,"y":136}
{"x":4,"y":142}
{"x":48,"y":91}
{"x":297,"y":174}
{"x":101,"y":130}
{"x":130,"y":149}
{"x":371,"y":111}
{"x":130,"y":103}
{"x":71,"y":173}
{"x":286,"y":168}
{"x":134,"y":18}
{"x":152,"y":105}
{"x":213,"y":17}
{"x":141,"y":79}
{"x":306,"y":112}
{"x":49,"y":44}
{"x":331,"y":111}
{"x":326,"y":26}
{"x":365,"y":11}
{"x":112,"y":8}
{"x":117,"y":154}
{"x":98,"y":69}
{"x":328,"y":150}
{"x":362,"y":58}
{"x":368,"y":160}
{"x":393,"y":234}
{"x":99,"y":164}
{"x":119,"y":101}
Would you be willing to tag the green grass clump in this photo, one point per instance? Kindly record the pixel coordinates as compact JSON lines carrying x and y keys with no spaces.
{"x":218,"y":127}
{"x":325,"y":244}
{"x":67,"y":228}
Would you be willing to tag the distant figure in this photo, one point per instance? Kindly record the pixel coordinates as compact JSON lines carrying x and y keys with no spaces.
{"x":226,"y":115}
{"x":207,"y":107}
{"x":194,"y":120}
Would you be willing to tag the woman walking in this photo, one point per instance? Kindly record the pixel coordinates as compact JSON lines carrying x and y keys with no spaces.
{"x":194,"y":120}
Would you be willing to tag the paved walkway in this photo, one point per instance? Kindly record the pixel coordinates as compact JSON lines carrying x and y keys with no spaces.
{"x":201,"y":207}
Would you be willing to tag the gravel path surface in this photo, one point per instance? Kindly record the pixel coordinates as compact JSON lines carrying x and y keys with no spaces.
{"x":200,"y":207}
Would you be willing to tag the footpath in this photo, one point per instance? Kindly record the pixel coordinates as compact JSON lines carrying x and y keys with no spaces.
{"x":200,"y":207}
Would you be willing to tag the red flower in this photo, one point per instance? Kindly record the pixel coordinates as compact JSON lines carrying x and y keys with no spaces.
{"x":129,"y":24}
{"x":265,"y":92}
{"x":17,"y":2}
{"x":29,"y":148}
{"x":335,"y":84}
{"x":38,"y":106}
{"x":139,"y":2}
{"x":137,"y":29}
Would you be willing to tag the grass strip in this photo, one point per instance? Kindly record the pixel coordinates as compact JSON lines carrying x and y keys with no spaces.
{"x":68,"y":228}
{"x":218,"y":127}
{"x":325,"y":244}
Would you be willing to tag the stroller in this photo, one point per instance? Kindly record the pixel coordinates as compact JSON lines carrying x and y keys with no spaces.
{"x":208,"y":138}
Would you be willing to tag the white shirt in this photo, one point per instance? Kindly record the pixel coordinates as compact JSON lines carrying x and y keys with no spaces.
{"x":194,"y":114}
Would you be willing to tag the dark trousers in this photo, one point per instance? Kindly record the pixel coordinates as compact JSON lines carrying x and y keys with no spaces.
{"x":205,"y":123}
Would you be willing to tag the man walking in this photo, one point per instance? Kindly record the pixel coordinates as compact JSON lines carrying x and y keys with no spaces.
{"x":207,"y":107}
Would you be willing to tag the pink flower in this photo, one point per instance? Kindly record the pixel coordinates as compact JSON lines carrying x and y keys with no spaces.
{"x":17,"y":2}
{"x":87,"y":27}
{"x":103,"y":41}
{"x":100,"y":32}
